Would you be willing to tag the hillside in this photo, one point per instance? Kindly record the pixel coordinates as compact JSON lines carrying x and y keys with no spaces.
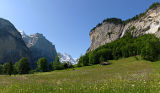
{"x":123,"y":76}
{"x":112,"y":29}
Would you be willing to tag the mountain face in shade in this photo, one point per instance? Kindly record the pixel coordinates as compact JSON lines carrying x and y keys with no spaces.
{"x":12,"y":46}
{"x":39,"y":46}
{"x":67,"y":58}
{"x":113,"y":28}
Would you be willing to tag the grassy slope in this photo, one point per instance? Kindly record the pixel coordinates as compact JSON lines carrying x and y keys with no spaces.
{"x":123,"y":76}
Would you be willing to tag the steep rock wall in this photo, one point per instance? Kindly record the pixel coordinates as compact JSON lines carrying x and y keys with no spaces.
{"x":108,"y":31}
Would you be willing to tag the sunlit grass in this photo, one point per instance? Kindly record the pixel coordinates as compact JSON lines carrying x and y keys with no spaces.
{"x":123,"y":76}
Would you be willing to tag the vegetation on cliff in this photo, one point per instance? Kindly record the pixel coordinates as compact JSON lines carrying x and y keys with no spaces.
{"x":147,"y":46}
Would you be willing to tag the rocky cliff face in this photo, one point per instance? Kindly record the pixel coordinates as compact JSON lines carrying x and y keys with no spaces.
{"x":39,"y":46}
{"x":12,"y":46}
{"x":112,"y":29}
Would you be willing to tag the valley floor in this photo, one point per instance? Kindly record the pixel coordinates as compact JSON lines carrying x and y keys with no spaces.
{"x":127,"y":75}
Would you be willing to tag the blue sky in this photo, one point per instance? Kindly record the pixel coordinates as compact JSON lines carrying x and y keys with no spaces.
{"x":67,"y":23}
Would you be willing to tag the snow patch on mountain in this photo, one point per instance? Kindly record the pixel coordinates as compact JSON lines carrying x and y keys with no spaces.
{"x":66,"y":57}
{"x":23,"y":34}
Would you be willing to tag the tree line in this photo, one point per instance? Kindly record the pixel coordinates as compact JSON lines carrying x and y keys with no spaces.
{"x":23,"y":66}
{"x":147,"y":46}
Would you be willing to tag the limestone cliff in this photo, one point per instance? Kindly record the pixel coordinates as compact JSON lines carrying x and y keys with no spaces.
{"x":112,"y":29}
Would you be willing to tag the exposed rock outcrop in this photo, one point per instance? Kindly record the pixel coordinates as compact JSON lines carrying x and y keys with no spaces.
{"x":110,"y":30}
{"x":12,"y":46}
{"x":39,"y":46}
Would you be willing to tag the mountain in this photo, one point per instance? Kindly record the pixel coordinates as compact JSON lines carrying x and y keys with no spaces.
{"x":66,"y":57}
{"x":39,"y":46}
{"x":112,"y":29}
{"x":12,"y":46}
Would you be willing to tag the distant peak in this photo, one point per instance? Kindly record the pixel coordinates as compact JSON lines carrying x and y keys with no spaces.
{"x":22,"y":33}
{"x":66,"y":57}
{"x":37,"y":35}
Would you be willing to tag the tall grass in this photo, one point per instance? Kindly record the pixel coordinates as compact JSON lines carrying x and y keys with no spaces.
{"x":123,"y":76}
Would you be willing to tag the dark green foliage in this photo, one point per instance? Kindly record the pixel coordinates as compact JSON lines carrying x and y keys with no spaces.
{"x":1,"y":69}
{"x":93,"y":58}
{"x":70,"y":65}
{"x":158,"y":29}
{"x":83,"y":60}
{"x":57,"y":58}
{"x":32,"y":71}
{"x":7,"y":68}
{"x":115,"y":21}
{"x":147,"y":46}
{"x":135,"y":17}
{"x":57,"y":65}
{"x":152,"y":51}
{"x":98,"y":25}
{"x":101,"y":59}
{"x":154,"y":5}
{"x":10,"y":68}
{"x":109,"y":34}
{"x":67,"y":65}
{"x":50,"y":67}
{"x":22,"y":66}
{"x":42,"y":64}
{"x":132,"y":28}
{"x":15,"y":68}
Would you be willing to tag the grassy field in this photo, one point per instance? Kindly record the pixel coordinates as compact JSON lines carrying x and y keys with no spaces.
{"x":123,"y":76}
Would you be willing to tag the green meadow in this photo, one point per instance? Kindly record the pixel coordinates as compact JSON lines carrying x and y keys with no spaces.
{"x":126,"y":75}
